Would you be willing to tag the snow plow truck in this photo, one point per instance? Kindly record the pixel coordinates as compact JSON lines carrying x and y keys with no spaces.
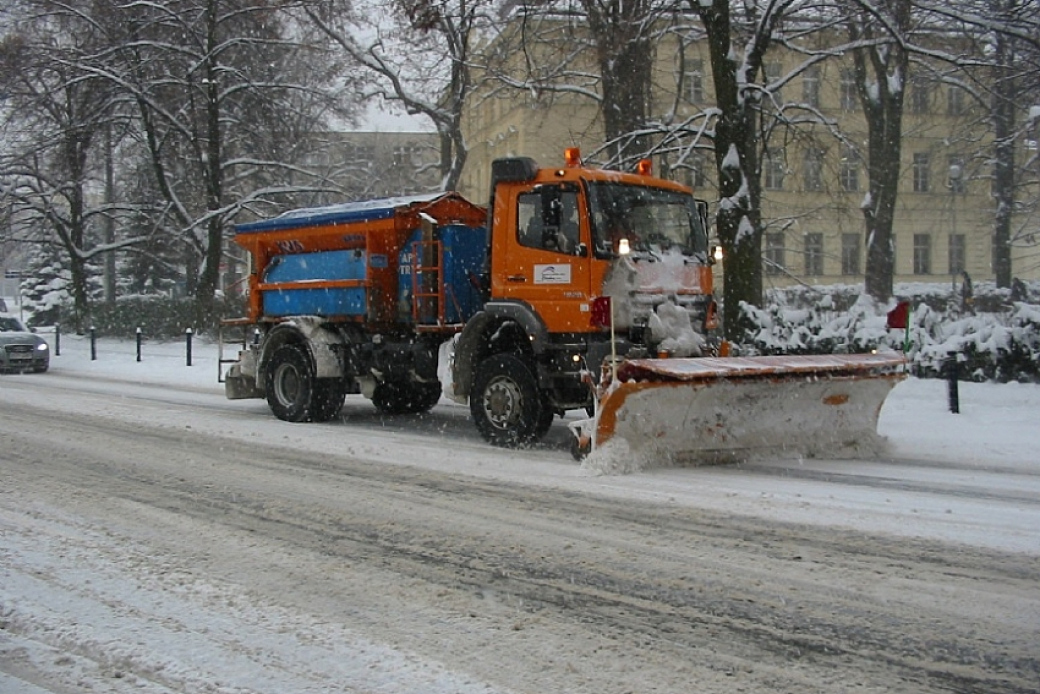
{"x":575,"y":289}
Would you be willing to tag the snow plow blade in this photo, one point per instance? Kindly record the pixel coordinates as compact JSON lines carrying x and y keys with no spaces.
{"x":733,"y":408}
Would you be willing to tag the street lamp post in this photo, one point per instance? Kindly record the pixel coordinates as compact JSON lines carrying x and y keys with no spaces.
{"x":1033,"y":141}
{"x":955,"y":180}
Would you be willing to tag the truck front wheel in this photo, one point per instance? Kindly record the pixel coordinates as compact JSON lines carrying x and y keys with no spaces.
{"x":506,"y":405}
{"x":290,"y":384}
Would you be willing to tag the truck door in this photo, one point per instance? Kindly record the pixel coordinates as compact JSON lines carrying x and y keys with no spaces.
{"x":547,"y":262}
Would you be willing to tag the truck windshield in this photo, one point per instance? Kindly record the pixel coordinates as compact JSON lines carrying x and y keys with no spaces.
{"x":652,"y":219}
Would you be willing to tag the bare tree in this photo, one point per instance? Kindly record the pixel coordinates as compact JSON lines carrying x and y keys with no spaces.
{"x":557,"y":38}
{"x":602,"y":52}
{"x":622,"y":32}
{"x":419,"y":58}
{"x":223,"y":110}
{"x":1003,"y":69}
{"x":737,"y":47}
{"x":975,"y":46}
{"x":56,"y":111}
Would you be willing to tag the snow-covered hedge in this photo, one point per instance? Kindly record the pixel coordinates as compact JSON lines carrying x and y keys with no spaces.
{"x":159,"y":317}
{"x":1001,"y":343}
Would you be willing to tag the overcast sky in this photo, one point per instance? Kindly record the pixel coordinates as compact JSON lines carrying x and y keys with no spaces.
{"x":385,"y":121}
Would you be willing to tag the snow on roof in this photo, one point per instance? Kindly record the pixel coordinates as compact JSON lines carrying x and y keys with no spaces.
{"x":356,"y":211}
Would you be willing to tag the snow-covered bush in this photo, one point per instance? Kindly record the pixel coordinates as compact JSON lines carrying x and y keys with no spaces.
{"x":1001,"y":344}
{"x":160,"y":317}
{"x":988,"y":346}
{"x":818,"y":329}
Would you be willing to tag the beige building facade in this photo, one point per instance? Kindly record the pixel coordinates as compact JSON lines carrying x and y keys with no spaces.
{"x":814,"y":173}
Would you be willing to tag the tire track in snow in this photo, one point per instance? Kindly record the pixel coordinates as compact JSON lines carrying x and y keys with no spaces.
{"x":685,"y":581}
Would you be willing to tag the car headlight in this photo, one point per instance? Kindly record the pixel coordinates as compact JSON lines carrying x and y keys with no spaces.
{"x":42,"y":346}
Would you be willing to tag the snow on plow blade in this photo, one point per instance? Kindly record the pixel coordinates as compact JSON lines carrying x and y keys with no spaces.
{"x":732,"y":408}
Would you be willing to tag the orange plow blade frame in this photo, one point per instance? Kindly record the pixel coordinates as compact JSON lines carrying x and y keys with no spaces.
{"x":731,"y":408}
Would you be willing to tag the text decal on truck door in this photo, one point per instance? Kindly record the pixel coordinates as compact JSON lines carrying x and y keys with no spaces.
{"x":552,"y":274}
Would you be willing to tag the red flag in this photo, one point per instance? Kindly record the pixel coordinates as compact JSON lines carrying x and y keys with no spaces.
{"x":601,"y":313}
{"x":899,"y":316}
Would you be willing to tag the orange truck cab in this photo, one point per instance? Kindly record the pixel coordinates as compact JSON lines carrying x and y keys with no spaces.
{"x":523,"y":300}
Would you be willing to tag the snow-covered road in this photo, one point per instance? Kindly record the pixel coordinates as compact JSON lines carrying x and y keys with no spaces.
{"x":156,"y":537}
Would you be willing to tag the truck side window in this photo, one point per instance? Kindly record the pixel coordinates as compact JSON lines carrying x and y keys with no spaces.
{"x":548,"y":221}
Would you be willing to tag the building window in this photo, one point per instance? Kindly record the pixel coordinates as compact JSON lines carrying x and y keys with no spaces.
{"x":849,"y":95}
{"x":956,"y":101}
{"x":699,"y":174}
{"x":358,"y":154}
{"x":813,"y":169}
{"x":406,"y":155}
{"x":775,"y":170}
{"x":957,"y":254}
{"x":849,"y":172}
{"x":955,"y":171}
{"x":922,"y":254}
{"x":811,"y":86}
{"x":774,"y":253}
{"x":850,"y":254}
{"x":813,"y":255}
{"x":920,"y":96}
{"x":693,"y":171}
{"x":693,"y":89}
{"x":922,"y":172}
{"x":774,"y":71}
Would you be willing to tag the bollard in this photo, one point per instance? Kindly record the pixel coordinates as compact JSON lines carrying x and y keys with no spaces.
{"x":93,"y":344}
{"x":187,"y":343}
{"x":138,"y":344}
{"x":256,"y":337}
{"x":57,"y":339}
{"x":951,"y":381}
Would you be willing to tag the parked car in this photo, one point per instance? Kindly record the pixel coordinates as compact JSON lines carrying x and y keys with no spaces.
{"x":21,"y":349}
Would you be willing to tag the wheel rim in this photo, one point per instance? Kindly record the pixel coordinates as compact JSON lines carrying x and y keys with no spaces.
{"x":503,"y":402}
{"x":287,"y":384}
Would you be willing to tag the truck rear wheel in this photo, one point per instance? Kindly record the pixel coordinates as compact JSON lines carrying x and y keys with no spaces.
{"x":289,"y":383}
{"x":506,"y":405}
{"x":406,"y":398}
{"x":328,"y":399}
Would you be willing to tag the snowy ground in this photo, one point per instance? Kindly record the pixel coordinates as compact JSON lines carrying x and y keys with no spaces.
{"x":995,"y":432}
{"x":122,"y":605}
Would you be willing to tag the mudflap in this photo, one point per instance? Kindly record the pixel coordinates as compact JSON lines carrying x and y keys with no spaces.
{"x":709,"y":410}
{"x":238,"y":386}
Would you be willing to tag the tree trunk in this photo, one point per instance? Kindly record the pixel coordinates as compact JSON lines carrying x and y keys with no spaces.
{"x":1005,"y":94}
{"x":881,"y":73}
{"x":77,"y":144}
{"x":736,"y":160}
{"x":625,"y":54}
{"x":109,"y":223}
{"x":884,"y":143}
{"x":213,"y":170}
{"x":626,"y":97}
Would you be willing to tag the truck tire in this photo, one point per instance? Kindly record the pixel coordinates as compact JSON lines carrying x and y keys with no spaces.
{"x":289,"y":382}
{"x":328,"y":399}
{"x":406,"y":398}
{"x":507,"y":408}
